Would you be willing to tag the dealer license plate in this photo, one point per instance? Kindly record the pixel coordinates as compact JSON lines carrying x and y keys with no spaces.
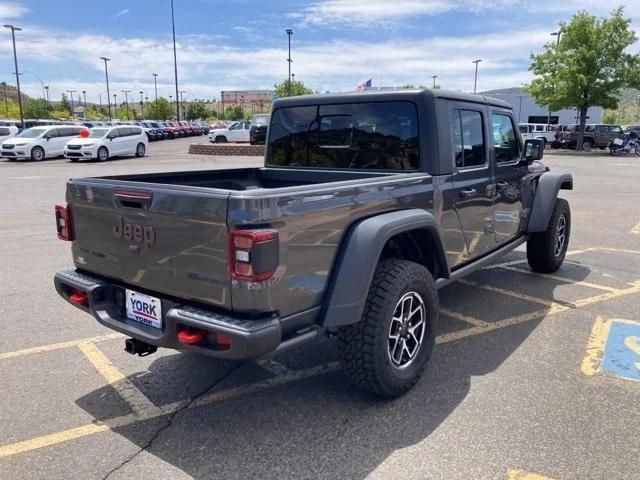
{"x":144,"y":309}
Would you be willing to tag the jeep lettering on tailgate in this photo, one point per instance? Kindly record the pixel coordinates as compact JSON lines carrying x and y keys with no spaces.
{"x":133,"y":232}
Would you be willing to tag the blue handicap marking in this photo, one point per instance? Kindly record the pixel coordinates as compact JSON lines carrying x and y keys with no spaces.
{"x":622,"y":350}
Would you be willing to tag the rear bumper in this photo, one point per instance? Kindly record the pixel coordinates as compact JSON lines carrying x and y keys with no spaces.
{"x":250,"y":338}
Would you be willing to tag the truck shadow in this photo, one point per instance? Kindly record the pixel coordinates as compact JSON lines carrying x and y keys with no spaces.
{"x":320,"y":426}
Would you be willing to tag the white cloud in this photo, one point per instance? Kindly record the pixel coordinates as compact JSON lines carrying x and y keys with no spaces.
{"x":11,"y":10}
{"x":122,"y":12}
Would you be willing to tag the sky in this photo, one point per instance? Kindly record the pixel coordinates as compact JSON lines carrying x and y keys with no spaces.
{"x":242,"y":44}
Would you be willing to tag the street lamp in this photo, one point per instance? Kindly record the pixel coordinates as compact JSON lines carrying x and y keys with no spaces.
{"x":39,"y":79}
{"x":100,"y":99}
{"x":46,"y":87}
{"x":115,"y":104}
{"x":182,"y":92}
{"x":475,"y":81}
{"x":289,"y":33}
{"x":175,"y":60}
{"x":141,"y":104}
{"x":434,"y":80}
{"x":71,"y":92}
{"x":15,"y":29}
{"x":557,"y":35}
{"x":106,"y":76}
{"x":126,"y":100}
{"x":155,"y":83}
{"x":84,"y":95}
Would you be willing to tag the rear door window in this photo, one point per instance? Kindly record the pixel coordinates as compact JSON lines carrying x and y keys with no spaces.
{"x":468,"y":139}
{"x":355,"y":135}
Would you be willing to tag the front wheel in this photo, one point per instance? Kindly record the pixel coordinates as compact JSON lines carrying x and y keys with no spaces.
{"x":37,"y":154}
{"x":546,"y":250}
{"x":103,"y":154}
{"x":140,"y":150}
{"x":587,"y":145}
{"x":386,"y":352}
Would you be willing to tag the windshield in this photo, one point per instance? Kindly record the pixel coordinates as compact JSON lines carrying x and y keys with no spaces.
{"x":260,"y":119}
{"x":98,"y":132}
{"x":31,"y":132}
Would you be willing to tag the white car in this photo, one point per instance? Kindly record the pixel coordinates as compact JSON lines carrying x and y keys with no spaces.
{"x":105,"y":142}
{"x":537,"y":130}
{"x":7,"y":132}
{"x":38,"y":143}
{"x":236,"y":132}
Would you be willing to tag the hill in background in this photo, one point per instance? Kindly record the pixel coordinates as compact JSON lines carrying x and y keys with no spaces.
{"x":12,"y":93}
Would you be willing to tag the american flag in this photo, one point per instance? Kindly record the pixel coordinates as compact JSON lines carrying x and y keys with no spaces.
{"x":363,"y":86}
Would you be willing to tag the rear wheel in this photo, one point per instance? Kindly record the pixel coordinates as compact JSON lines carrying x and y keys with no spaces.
{"x":637,"y":150}
{"x":103,"y":154}
{"x":37,"y":154}
{"x":546,"y":250}
{"x":386,"y":352}
{"x":221,"y":139}
{"x":140,"y":150}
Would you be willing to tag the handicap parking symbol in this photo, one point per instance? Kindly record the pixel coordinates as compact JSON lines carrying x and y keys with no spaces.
{"x":614,"y":347}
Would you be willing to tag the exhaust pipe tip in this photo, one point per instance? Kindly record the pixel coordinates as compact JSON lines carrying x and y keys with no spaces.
{"x":134,"y":346}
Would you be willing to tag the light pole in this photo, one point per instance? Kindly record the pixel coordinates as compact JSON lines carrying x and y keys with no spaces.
{"x":557,"y":35}
{"x":126,"y":100}
{"x":39,"y":79}
{"x":115,"y":104}
{"x":141,"y":104}
{"x":6,"y":103}
{"x":71,"y":92}
{"x":175,"y":60}
{"x":475,"y":81}
{"x":46,"y":87}
{"x":434,"y":80}
{"x":289,"y":33}
{"x":84,"y":96}
{"x":100,"y":99}
{"x":15,"y":29}
{"x":182,"y":92}
{"x":106,"y":76}
{"x":155,"y":83}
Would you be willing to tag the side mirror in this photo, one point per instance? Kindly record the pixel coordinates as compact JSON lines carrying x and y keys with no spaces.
{"x":533,"y":149}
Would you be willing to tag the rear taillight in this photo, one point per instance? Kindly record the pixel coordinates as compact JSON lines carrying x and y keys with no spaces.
{"x":64,"y":223}
{"x":253,"y":254}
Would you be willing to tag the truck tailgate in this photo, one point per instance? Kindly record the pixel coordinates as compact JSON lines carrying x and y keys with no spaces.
{"x":166,"y":239}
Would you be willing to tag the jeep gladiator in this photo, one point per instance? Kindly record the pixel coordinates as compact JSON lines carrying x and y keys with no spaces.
{"x":367,"y":204}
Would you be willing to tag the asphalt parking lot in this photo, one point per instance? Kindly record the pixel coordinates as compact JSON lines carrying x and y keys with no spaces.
{"x":533,"y":376}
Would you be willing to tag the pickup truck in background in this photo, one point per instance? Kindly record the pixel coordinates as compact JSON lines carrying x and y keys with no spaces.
{"x":367,"y":204}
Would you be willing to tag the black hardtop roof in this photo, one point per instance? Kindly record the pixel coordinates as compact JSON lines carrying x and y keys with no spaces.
{"x":415,"y":95}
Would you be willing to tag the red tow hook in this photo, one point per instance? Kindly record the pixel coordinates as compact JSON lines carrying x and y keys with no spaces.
{"x":79,"y":297}
{"x":191,"y":337}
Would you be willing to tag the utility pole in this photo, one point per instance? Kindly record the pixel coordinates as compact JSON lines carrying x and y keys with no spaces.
{"x":15,"y":29}
{"x":175,"y":61}
{"x":155,"y":83}
{"x":126,"y":101}
{"x":475,"y":81}
{"x":106,"y":75}
{"x":289,"y":33}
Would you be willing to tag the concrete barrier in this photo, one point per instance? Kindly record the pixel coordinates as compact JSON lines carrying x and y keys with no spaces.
{"x":227,"y":149}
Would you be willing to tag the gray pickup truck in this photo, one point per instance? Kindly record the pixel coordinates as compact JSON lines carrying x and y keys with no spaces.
{"x":367,"y":204}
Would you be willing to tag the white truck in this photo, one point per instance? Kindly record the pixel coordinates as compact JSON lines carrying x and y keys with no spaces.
{"x":537,"y":130}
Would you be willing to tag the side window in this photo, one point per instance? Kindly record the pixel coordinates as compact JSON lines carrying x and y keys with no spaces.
{"x":506,"y":146}
{"x":53,"y":133}
{"x":616,"y":129}
{"x":468,"y":139}
{"x":235,"y":126}
{"x":113,"y":133}
{"x":123,"y":132}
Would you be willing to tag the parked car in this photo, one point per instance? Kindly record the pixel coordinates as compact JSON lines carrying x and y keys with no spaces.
{"x":171,"y":131}
{"x":7,"y":132}
{"x":106,"y":142}
{"x":537,"y":130}
{"x":349,"y":230}
{"x":596,"y":135}
{"x":161,"y":134}
{"x":236,"y":132}
{"x":258,"y":129}
{"x":152,"y":133}
{"x":38,"y":143}
{"x":631,"y":128}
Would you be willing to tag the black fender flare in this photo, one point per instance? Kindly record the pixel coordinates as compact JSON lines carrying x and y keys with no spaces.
{"x":548,"y":186}
{"x":358,"y":258}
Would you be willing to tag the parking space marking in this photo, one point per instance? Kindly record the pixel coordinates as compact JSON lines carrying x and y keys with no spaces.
{"x":465,"y":318}
{"x":516,"y":262}
{"x":518,"y":295}
{"x":137,"y":400}
{"x":613,"y":346}
{"x":560,"y":279}
{"x":519,"y":474}
{"x":57,"y":346}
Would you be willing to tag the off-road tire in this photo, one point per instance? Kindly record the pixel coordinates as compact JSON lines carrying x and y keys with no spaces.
{"x":542,"y":253}
{"x":37,"y":154}
{"x":103,"y":154}
{"x":363,"y":347}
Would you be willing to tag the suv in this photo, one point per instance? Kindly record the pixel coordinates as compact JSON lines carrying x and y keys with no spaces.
{"x":105,"y":142}
{"x":367,"y":204}
{"x":38,"y":143}
{"x":537,"y":130}
{"x":258,"y":129}
{"x":595,"y":136}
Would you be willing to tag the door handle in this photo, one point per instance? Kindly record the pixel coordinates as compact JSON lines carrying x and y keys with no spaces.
{"x":468,"y":193}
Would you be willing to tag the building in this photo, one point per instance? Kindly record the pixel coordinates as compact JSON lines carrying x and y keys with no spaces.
{"x":528,"y":111}
{"x":251,"y":101}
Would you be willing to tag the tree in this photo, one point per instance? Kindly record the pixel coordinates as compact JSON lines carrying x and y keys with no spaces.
{"x":297,"y":88}
{"x":610,"y":116}
{"x":197,"y":110}
{"x":234,"y":112}
{"x":36,"y":108}
{"x":587,"y":67}
{"x":63,"y":104}
{"x":60,"y":113}
{"x":159,"y":109}
{"x":124,"y":112}
{"x":9,"y":109}
{"x":94,"y":113}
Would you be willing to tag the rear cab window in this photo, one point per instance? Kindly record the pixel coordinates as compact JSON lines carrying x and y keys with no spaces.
{"x":369,"y":135}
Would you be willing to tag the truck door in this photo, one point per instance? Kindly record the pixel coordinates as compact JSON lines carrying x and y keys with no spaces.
{"x":509,"y":171}
{"x":473,"y":178}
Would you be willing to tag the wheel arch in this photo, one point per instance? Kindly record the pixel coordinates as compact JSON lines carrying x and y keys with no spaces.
{"x":407,"y":234}
{"x":549,"y":184}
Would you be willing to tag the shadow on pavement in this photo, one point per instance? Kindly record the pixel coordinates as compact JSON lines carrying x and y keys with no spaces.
{"x":319,"y":427}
